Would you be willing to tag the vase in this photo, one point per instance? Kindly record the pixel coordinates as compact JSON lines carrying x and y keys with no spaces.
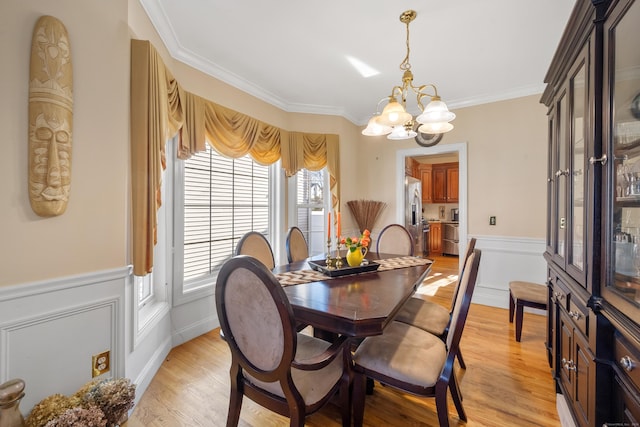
{"x":11,"y":393}
{"x":355,"y":257}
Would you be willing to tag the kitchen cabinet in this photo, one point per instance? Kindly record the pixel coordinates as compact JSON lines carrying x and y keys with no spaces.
{"x":445,"y":182}
{"x":593,"y":213}
{"x":435,"y":238}
{"x":408,"y":167}
{"x":452,"y":183}
{"x":411,"y":167}
{"x":427,"y":183}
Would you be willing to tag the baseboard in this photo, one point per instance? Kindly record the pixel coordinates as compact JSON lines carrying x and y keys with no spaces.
{"x":150,"y":369}
{"x":566,"y":419}
{"x":193,"y":330}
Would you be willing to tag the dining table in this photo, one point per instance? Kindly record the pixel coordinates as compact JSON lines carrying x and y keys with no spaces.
{"x":357,"y":304}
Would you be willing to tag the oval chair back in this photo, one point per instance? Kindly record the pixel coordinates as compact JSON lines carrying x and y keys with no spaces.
{"x":256,"y":245}
{"x":395,"y":239}
{"x":296,"y":244}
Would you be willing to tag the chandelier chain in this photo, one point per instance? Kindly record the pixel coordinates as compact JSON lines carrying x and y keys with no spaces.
{"x":405,"y":65}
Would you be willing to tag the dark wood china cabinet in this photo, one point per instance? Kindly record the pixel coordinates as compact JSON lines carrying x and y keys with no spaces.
{"x":593,"y":231}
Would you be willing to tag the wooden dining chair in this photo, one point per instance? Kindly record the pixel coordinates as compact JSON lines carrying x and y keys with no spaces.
{"x":287,"y":372}
{"x":412,"y":360}
{"x":395,"y":239}
{"x":296,"y":245}
{"x":431,"y":316}
{"x":256,"y":245}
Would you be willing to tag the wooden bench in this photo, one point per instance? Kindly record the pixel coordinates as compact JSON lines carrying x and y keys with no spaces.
{"x":525,"y":294}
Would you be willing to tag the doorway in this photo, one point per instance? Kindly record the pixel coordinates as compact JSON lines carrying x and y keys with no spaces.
{"x":458,"y":148}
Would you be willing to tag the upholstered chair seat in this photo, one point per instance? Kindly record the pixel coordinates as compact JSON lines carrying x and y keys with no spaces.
{"x":312,"y":385}
{"x":525,"y":294}
{"x":427,"y":315}
{"x":419,"y":363}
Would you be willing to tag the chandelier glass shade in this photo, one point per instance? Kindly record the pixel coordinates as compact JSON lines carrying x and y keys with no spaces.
{"x":394,"y":114}
{"x":374,"y":128}
{"x":394,"y":120}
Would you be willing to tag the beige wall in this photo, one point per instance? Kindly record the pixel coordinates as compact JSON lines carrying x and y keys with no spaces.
{"x":90,"y":235}
{"x":507,"y":166}
{"x":506,"y":146}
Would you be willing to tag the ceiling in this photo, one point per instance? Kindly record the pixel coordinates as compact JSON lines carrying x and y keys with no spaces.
{"x":294,"y":53}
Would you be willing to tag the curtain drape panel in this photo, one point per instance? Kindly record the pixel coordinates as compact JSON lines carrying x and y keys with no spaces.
{"x":160,"y":108}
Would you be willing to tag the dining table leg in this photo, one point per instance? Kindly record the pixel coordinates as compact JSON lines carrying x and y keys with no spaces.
{"x":358,"y":397}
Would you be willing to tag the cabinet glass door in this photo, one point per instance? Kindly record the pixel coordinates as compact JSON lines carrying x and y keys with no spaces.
{"x":568,"y":175}
{"x":561,"y":183}
{"x":622,"y":134}
{"x":576,"y":180}
{"x":551,"y":182}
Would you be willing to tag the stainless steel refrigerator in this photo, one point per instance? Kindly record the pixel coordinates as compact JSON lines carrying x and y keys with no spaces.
{"x":413,"y":211}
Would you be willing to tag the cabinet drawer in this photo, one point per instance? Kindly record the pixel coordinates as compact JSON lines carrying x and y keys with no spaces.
{"x":560,"y":294}
{"x":580,"y":316}
{"x":627,"y":359}
{"x":626,"y":410}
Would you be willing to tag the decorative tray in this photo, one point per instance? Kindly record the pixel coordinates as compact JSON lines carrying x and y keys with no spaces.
{"x":321,"y":266}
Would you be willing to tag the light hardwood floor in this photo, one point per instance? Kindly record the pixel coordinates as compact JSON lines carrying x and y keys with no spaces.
{"x":505,"y":384}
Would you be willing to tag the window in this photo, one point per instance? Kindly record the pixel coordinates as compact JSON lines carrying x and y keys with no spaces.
{"x":145,"y":289}
{"x":311,"y":190}
{"x":151,"y":291}
{"x":223,"y":199}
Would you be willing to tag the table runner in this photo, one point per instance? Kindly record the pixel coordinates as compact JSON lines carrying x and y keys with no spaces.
{"x":305,"y":276}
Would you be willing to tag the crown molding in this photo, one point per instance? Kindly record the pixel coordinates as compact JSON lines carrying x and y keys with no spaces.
{"x":162,"y":24}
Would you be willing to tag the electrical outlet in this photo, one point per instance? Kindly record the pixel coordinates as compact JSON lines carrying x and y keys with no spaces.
{"x":100,"y":364}
{"x":492,"y":220}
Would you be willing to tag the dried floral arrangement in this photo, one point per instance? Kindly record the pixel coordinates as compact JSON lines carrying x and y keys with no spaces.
{"x":366,"y":212}
{"x":98,"y":403}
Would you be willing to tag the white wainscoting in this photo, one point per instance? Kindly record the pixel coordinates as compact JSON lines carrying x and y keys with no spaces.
{"x":50,"y":330}
{"x":505,"y":259}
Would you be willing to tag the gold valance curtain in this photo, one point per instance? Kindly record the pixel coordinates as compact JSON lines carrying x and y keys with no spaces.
{"x":160,"y":108}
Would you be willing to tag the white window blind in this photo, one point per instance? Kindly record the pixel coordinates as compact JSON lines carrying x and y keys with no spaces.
{"x":310,"y":216}
{"x":223,"y":199}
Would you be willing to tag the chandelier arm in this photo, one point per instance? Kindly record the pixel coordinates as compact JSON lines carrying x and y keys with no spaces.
{"x":386,"y":98}
{"x":397,"y":90}
{"x":432,"y":86}
{"x":420,"y":96}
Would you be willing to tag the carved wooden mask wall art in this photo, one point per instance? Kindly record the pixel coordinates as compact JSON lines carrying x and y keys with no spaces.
{"x":50,"y":117}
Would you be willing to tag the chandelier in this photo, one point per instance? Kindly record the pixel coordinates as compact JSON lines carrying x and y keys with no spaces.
{"x":395,"y":121}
